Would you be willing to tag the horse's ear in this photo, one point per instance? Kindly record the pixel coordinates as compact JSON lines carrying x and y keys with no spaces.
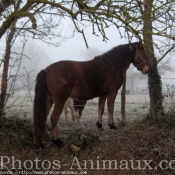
{"x":138,"y":45}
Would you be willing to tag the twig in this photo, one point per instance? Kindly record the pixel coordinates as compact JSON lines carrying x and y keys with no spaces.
{"x":85,"y":39}
{"x":171,"y":48}
{"x":82,"y":32}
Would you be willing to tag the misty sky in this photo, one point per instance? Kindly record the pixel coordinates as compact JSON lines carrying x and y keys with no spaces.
{"x":75,"y":48}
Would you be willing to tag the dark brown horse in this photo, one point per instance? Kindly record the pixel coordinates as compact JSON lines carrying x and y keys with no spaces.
{"x":100,"y":77}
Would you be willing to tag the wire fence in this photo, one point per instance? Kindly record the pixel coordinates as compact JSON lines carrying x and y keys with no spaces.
{"x":20,"y":101}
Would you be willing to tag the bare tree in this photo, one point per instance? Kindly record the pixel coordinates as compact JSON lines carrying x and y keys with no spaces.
{"x":21,"y":69}
{"x":165,"y":67}
{"x":6,"y":68}
{"x":19,"y":29}
{"x":27,"y":65}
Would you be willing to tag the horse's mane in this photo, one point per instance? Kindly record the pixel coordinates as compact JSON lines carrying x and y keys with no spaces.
{"x":117,"y":56}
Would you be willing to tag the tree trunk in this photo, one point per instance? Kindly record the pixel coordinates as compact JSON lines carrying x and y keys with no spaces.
{"x":154,"y":80}
{"x":123,"y":98}
{"x":3,"y":94}
{"x":155,"y":91}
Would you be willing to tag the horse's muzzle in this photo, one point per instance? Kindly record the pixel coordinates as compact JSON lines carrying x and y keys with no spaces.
{"x":145,"y":69}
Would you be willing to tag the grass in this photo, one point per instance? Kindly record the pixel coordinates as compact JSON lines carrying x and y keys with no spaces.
{"x":139,"y":140}
{"x":15,"y":132}
{"x":83,"y":139}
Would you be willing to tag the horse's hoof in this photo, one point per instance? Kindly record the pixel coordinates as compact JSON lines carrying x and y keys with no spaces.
{"x":112,"y":126}
{"x":99,"y":126}
{"x":58,"y":142}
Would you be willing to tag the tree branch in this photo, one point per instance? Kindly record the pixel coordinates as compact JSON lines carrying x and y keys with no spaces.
{"x":163,"y":56}
{"x":31,"y":17}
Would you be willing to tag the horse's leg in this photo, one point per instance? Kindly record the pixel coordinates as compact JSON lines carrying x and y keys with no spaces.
{"x":54,"y":120}
{"x":65,"y":112}
{"x":110,"y":103}
{"x":75,"y":114}
{"x":79,"y":106}
{"x":72,"y":112}
{"x":101,"y":105}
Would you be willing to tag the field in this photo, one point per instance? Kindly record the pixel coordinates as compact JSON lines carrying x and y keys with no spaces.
{"x":21,"y":103}
{"x":139,"y":145}
{"x":137,"y":106}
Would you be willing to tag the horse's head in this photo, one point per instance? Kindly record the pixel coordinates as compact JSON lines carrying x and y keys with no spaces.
{"x":141,"y":59}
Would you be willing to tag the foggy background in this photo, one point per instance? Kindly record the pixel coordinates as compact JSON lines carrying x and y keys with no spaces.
{"x":37,"y":55}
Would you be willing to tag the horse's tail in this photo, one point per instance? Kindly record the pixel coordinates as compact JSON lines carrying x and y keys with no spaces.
{"x":39,"y":111}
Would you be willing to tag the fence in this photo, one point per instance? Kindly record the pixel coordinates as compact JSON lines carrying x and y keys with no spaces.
{"x":137,"y":100}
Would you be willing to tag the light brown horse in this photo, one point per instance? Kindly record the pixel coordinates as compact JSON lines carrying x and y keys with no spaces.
{"x":79,"y":106}
{"x":76,"y":107}
{"x":100,"y":77}
{"x":70,"y":104}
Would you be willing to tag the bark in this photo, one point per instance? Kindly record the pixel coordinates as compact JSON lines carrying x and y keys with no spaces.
{"x":154,"y":80}
{"x":3,"y":94}
{"x":4,"y":4}
{"x":155,"y":91}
